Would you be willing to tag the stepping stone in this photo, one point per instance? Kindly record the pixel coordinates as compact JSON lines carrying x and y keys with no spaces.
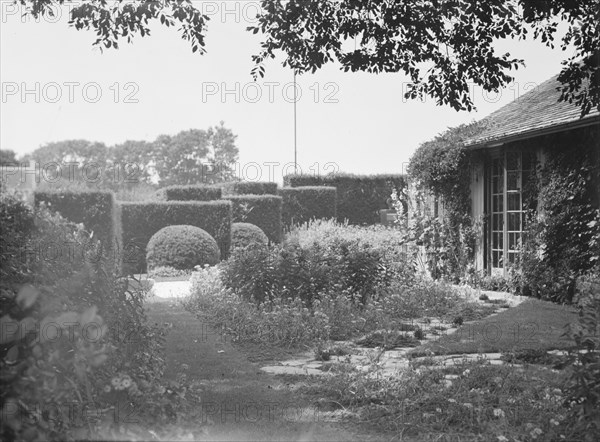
{"x":316,"y":365}
{"x":396,"y":354}
{"x":296,"y":362}
{"x":281,"y":369}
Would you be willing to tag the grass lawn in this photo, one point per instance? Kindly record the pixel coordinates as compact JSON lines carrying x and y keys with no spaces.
{"x":240,"y":402}
{"x":532,"y":325}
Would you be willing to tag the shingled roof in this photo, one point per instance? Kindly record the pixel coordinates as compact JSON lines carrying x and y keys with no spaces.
{"x":535,"y":113}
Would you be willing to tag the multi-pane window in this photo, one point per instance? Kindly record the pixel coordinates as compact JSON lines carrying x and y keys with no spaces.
{"x":508,"y":175}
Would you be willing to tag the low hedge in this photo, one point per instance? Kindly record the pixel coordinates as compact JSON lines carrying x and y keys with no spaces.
{"x":182,"y":247}
{"x":142,"y":220}
{"x":189,"y":193}
{"x":301,"y":204}
{"x":359,"y":197}
{"x":254,"y":188}
{"x":96,"y":210}
{"x":263,"y":211}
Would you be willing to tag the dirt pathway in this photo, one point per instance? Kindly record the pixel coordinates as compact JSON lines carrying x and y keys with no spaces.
{"x":239,"y":402}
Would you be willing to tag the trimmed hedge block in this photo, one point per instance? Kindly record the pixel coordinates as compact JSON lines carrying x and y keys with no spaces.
{"x":189,"y":193}
{"x":359,"y":197}
{"x":182,"y":247}
{"x":142,"y":220}
{"x":96,"y":210}
{"x":226,"y":188}
{"x":301,"y":204}
{"x":254,"y":188}
{"x":263,"y":211}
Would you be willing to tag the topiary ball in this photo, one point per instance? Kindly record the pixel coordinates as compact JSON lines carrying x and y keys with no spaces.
{"x":182,"y":247}
{"x":246,"y":234}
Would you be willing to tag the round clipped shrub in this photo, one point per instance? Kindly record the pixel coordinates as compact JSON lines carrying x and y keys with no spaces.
{"x":182,"y":247}
{"x":246,"y":234}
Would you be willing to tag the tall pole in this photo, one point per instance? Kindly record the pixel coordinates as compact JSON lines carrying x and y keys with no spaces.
{"x":295,"y":133}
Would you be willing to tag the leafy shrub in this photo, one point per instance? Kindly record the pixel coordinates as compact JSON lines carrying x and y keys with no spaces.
{"x":583,"y":388}
{"x":246,"y":234}
{"x":142,"y":220}
{"x":97,"y":210}
{"x":17,"y":227}
{"x":359,"y":197}
{"x":73,"y":361}
{"x":263,"y":211}
{"x":563,"y":241}
{"x":497,"y":283}
{"x":282,"y":322}
{"x":189,"y":193}
{"x":320,"y":258}
{"x":253,"y":273}
{"x":254,"y":188}
{"x":182,"y":247}
{"x":303,"y":204}
{"x":252,"y":306}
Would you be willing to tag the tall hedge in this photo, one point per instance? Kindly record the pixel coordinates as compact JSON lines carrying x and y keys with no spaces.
{"x":254,"y":188}
{"x":263,"y":211}
{"x":189,"y":193}
{"x":142,"y":220}
{"x":359,"y":197}
{"x":96,"y":210}
{"x":301,"y":204}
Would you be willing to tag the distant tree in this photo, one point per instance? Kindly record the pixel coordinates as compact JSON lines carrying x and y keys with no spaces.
{"x":8,"y":158}
{"x":190,"y":157}
{"x":179,"y":158}
{"x":72,"y":162}
{"x":132,"y":163}
{"x":441,"y":45}
{"x":224,"y":154}
{"x":195,"y":156}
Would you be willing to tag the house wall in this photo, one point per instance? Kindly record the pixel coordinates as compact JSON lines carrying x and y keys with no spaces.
{"x":574,"y":140}
{"x":478,"y":207}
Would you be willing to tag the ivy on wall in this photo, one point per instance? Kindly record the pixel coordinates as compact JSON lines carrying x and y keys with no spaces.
{"x":563,"y":241}
{"x":441,"y":168}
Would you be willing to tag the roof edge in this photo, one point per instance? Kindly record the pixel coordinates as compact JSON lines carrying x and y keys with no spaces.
{"x":584,"y":122}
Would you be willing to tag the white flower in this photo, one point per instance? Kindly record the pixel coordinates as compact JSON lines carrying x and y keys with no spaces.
{"x":466,"y":372}
{"x":502,"y":439}
{"x":467,"y":405}
{"x":554,"y":422}
{"x":452,"y":400}
{"x":535,"y":433}
{"x":499,"y":413}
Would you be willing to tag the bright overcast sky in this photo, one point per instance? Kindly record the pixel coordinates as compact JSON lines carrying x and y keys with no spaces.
{"x":359,"y":122}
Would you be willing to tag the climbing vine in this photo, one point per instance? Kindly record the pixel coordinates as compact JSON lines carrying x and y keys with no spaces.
{"x":440,"y":170}
{"x":563,"y":241}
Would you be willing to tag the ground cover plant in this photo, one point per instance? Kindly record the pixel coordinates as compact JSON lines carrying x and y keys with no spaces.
{"x":467,"y":401}
{"x":536,"y":396}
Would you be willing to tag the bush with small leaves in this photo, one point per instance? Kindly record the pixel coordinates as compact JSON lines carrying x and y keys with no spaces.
{"x":182,"y":247}
{"x":246,"y":234}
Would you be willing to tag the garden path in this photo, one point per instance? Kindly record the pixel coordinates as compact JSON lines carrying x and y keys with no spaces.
{"x":238,"y":400}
